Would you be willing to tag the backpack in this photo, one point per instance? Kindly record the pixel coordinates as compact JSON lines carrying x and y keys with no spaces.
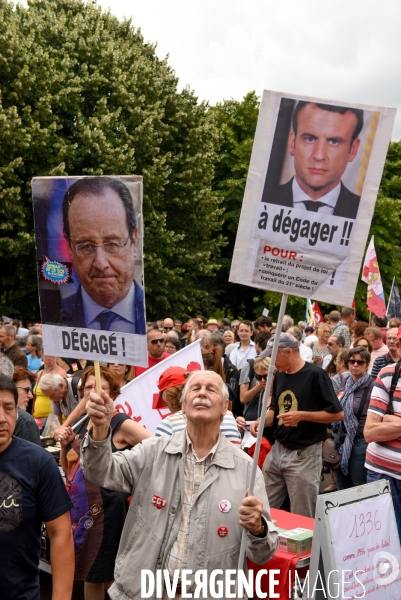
{"x":75,"y":381}
{"x":251,"y":362}
{"x":232,"y":374}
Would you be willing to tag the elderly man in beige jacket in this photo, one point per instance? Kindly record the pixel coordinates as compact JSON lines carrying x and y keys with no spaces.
{"x":189,"y":499}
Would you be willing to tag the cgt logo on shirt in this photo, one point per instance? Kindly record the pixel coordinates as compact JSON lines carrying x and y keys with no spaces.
{"x":10,"y":502}
{"x":158,"y":501}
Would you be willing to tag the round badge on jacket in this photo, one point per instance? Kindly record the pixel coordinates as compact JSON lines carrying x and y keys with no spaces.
{"x":225,"y":506}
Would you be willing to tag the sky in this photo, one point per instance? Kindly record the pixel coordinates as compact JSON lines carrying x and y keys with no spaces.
{"x":345,"y":50}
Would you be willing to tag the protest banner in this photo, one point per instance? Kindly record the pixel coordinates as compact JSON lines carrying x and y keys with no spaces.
{"x":139,"y":399}
{"x":312,"y":185}
{"x":89,"y":250}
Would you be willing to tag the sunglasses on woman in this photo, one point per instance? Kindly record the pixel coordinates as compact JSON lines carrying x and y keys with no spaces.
{"x":260,"y":377}
{"x":356,"y":362}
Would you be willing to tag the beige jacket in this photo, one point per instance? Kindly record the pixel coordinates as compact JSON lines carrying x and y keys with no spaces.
{"x":155,"y":468}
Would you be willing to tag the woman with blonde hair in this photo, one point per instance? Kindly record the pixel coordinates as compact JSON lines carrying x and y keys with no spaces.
{"x":228,"y":337}
{"x":319,"y":348}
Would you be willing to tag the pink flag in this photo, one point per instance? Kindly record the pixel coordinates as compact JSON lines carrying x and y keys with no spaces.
{"x":371,"y":276}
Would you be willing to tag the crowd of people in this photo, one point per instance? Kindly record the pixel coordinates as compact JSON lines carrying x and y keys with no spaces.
{"x":126,"y":488}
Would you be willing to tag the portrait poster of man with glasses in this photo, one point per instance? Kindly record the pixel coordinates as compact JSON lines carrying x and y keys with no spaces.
{"x":90,"y":261}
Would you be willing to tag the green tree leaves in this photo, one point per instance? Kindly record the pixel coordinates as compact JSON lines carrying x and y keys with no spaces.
{"x":82,"y":94}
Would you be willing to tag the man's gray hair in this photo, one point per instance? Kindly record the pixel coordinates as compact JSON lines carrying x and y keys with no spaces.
{"x":287,"y":323}
{"x":9,"y":329}
{"x":6,"y":367}
{"x":224,"y":389}
{"x":202,"y":333}
{"x":51,"y":381}
{"x":297,"y":333}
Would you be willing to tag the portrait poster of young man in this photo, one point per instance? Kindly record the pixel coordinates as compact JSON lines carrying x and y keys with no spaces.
{"x":312,"y":185}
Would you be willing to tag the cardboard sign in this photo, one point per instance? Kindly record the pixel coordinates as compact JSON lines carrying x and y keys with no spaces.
{"x":356,"y":550}
{"x":367,"y":548}
{"x":312,"y":185}
{"x":89,"y":239}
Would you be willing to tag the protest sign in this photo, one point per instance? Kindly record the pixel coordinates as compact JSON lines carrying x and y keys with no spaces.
{"x":312,"y":184}
{"x":366,"y":533}
{"x":139,"y":399}
{"x":89,"y":250}
{"x":356,"y":550}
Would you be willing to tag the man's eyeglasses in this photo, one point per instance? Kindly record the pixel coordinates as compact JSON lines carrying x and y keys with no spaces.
{"x":260,"y":377}
{"x":356,"y":362}
{"x":26,"y":390}
{"x":112,"y":247}
{"x":168,"y":328}
{"x":157,"y":341}
{"x":330,"y":344}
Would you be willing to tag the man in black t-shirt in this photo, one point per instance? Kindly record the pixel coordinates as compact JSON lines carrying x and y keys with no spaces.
{"x":303,"y":402}
{"x":31,"y":492}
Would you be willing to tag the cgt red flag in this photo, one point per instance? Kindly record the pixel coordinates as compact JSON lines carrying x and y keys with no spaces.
{"x":371,"y":275}
{"x":317,"y":313}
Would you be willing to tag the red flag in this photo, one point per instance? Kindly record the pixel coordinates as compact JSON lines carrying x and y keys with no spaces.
{"x":371,"y":275}
{"x":317,"y":313}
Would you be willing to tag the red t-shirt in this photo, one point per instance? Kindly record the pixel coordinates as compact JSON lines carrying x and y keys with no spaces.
{"x":151,"y":363}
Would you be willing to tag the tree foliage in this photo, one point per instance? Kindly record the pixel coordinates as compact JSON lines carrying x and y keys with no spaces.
{"x":237,"y":123}
{"x":81,"y":93}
